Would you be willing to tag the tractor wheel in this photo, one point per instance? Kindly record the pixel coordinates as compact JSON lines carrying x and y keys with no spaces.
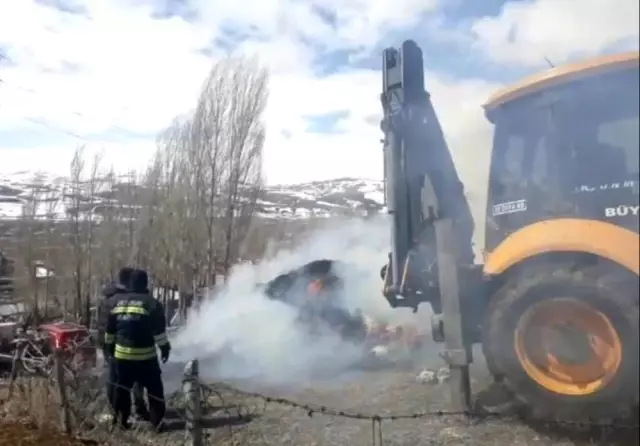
{"x":565,"y":344}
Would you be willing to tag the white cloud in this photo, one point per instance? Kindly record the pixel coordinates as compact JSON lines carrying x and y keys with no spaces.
{"x":56,"y":158}
{"x":527,"y":32}
{"x":115,"y":68}
{"x":357,"y":23}
{"x":118,"y":69}
{"x":357,"y":148}
{"x":126,"y":72}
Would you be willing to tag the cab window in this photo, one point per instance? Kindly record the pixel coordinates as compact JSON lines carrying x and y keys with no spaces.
{"x":522,"y":160}
{"x":624,"y":135}
{"x":581,"y":134}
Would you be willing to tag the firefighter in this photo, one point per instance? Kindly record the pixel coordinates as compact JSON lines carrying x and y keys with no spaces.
{"x":135,"y":327}
{"x":112,"y":291}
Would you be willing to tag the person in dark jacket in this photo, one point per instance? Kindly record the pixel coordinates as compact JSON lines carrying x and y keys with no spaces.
{"x":112,"y":291}
{"x":135,"y":327}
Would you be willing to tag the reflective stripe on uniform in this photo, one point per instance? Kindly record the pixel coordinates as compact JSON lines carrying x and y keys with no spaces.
{"x":161,"y":339}
{"x":129,"y":309}
{"x":134,"y":353}
{"x":109,"y":338}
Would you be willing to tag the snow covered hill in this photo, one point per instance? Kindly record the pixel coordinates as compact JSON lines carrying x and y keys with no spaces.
{"x":343,"y":196}
{"x":319,"y":199}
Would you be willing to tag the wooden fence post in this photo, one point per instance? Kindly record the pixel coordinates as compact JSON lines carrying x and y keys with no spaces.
{"x":193,"y":409}
{"x":58,"y":373}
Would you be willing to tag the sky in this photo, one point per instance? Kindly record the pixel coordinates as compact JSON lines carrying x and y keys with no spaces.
{"x":111,"y":74}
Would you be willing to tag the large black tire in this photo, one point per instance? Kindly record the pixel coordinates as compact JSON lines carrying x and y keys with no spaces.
{"x":619,"y":304}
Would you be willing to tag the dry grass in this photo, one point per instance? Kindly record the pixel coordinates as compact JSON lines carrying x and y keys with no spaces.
{"x":31,"y":417}
{"x":28,"y":433}
{"x":33,"y":399}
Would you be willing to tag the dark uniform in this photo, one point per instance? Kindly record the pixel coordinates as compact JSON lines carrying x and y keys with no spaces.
{"x":112,"y":291}
{"x":108,"y":292}
{"x":135,"y":326}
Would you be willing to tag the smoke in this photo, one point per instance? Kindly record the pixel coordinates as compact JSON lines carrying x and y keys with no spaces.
{"x":243,"y":335}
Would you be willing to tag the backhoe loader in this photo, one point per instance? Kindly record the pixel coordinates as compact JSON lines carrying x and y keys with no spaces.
{"x":554,"y":301}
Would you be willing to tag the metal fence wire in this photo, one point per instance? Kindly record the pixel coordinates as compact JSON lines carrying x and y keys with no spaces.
{"x":75,"y":402}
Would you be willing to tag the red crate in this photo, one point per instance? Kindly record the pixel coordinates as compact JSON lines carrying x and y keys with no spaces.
{"x":67,"y":336}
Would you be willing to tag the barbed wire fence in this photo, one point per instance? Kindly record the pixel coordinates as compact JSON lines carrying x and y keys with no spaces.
{"x":75,"y":402}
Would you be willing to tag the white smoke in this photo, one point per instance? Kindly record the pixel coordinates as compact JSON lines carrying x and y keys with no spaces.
{"x":243,"y":335}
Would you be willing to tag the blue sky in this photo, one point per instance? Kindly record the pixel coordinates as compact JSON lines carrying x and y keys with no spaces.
{"x":112,"y":74}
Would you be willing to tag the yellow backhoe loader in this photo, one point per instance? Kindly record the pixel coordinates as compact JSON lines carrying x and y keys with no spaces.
{"x":554,"y":301}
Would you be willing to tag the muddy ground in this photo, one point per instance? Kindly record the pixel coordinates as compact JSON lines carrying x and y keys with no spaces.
{"x":385,"y":392}
{"x":238,"y":419}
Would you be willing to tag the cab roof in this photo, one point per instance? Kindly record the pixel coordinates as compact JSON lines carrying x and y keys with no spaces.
{"x":561,"y":74}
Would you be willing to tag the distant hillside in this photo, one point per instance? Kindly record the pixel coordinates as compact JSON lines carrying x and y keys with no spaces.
{"x":319,"y":199}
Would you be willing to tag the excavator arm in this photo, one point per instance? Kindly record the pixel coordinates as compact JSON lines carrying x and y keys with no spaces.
{"x":431,"y":257}
{"x":422,"y":184}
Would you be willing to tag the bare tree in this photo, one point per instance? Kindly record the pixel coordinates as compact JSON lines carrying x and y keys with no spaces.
{"x":206,"y":178}
{"x":81,"y":215}
{"x":186,"y":218}
{"x":52,"y":203}
{"x":109,"y":231}
{"x":93,"y":186}
{"x":229,"y":123}
{"x":29,"y":247}
{"x":76,"y":200}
